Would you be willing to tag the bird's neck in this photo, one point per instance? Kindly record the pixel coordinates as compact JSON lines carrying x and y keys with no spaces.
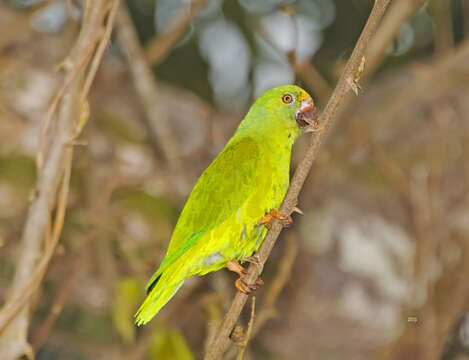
{"x":275,"y":146}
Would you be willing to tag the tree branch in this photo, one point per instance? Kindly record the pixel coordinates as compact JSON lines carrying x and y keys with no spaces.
{"x":147,"y":89}
{"x":221,"y":342}
{"x":159,"y":47}
{"x":55,"y":172}
{"x":399,"y":12}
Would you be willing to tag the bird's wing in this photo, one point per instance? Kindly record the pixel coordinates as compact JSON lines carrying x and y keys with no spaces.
{"x":220,"y":191}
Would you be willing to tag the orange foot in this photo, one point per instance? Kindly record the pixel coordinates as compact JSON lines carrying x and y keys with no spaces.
{"x":241,"y":283}
{"x":267,"y":220}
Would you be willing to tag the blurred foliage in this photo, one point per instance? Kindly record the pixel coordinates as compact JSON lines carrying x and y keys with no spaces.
{"x":19,"y":169}
{"x":127,"y":296}
{"x":88,"y":326}
{"x":149,"y":206}
{"x":169,"y":344}
{"x":118,"y":128}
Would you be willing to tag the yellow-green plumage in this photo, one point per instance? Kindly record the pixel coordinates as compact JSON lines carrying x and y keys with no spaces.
{"x":247,"y":179}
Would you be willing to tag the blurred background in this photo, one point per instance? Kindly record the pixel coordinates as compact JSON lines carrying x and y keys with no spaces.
{"x":376,"y":268}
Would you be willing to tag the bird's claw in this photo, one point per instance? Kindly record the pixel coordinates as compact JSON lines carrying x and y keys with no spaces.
{"x":254,"y":259}
{"x":245,"y":288}
{"x":241,"y":283}
{"x":267,"y":220}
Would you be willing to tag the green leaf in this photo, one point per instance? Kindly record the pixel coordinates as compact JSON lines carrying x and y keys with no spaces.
{"x":127,"y":295}
{"x":169,"y":344}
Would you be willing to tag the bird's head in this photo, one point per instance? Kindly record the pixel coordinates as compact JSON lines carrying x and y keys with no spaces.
{"x":281,"y":111}
{"x":284,"y":108}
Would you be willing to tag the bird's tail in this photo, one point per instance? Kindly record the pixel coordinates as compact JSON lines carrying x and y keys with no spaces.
{"x":167,"y":280}
{"x":161,"y":292}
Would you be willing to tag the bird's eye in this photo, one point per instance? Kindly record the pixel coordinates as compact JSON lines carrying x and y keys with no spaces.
{"x":288,"y":98}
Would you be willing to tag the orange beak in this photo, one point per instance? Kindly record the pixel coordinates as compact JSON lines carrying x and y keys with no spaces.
{"x":306,"y":115}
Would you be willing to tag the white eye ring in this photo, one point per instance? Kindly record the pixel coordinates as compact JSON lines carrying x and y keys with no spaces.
{"x":288,"y":99}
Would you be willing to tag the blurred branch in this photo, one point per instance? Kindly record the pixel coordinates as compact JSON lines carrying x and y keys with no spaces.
{"x":425,"y":86}
{"x":397,"y":176}
{"x":399,"y":12}
{"x":268,"y":309}
{"x":430,"y":83}
{"x":212,"y":304}
{"x":159,"y":47}
{"x":305,"y":70}
{"x":161,"y":134}
{"x":67,"y":284}
{"x":315,"y":81}
{"x":414,"y":343}
{"x":444,"y":39}
{"x":326,"y":119}
{"x":72,"y":116}
{"x":243,"y":346}
{"x":425,"y":339}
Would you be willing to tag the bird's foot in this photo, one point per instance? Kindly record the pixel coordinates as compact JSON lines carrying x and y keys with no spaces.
{"x":267,"y":220}
{"x":254,"y":259}
{"x":241,"y":283}
{"x":245,"y":288}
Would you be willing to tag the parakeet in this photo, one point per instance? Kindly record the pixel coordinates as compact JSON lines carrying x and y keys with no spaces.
{"x":227,"y":214}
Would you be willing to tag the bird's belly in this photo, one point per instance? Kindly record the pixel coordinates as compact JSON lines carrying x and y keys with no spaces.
{"x":240,"y":236}
{"x":235,"y":241}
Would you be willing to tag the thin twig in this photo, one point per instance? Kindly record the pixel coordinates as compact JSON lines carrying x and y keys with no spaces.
{"x":56,"y":101}
{"x":305,"y":70}
{"x":244,"y":345}
{"x":100,"y":50}
{"x":159,"y":47}
{"x":398,"y":13}
{"x":268,"y":310}
{"x":443,"y":18}
{"x":327,"y":117}
{"x":314,"y":80}
{"x":11,"y":308}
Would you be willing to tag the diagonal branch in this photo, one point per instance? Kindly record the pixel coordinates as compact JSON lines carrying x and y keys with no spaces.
{"x":221,"y":342}
{"x":399,"y":12}
{"x":159,"y":47}
{"x":147,"y":89}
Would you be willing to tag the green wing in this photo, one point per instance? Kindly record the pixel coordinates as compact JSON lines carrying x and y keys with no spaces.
{"x":220,"y":191}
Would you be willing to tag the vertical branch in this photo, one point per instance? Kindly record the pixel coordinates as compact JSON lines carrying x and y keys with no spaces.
{"x":221,"y":342}
{"x":444,"y":40}
{"x":146,"y":87}
{"x":282,"y":276}
{"x":244,"y":345}
{"x":55,"y":171}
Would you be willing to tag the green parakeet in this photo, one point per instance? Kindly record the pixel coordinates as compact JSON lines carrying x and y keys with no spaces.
{"x":223,"y":220}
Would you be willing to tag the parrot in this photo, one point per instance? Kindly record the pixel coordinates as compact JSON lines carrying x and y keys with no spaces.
{"x":235,"y":200}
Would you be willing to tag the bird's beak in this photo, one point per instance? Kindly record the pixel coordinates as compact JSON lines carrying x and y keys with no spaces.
{"x":306,"y":115}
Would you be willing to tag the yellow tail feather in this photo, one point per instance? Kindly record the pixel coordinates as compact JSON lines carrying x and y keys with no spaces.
{"x":161,"y":293}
